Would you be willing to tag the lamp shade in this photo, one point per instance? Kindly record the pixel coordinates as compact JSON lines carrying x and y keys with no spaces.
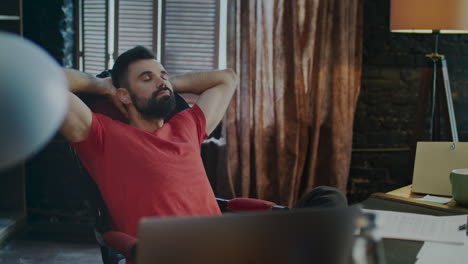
{"x":426,"y":16}
{"x":33,"y":98}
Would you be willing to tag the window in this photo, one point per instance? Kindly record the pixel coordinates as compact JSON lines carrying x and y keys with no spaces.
{"x":186,"y":35}
{"x":94,"y":31}
{"x":190,"y":36}
{"x":135,"y":23}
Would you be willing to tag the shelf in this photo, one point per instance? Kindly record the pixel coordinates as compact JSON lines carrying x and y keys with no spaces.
{"x":13,"y":18}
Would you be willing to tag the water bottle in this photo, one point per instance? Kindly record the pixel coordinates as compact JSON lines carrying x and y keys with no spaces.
{"x":368,"y":248}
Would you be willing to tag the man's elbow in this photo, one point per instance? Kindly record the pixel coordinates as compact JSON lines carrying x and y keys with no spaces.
{"x":231,"y":78}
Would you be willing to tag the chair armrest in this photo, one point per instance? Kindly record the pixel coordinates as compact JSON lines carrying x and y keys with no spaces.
{"x":250,"y":204}
{"x":122,"y":243}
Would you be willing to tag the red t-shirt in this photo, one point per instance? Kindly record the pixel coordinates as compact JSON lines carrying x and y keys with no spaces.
{"x":140,"y":173}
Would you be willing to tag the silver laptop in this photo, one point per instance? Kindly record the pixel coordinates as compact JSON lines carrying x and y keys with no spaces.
{"x":293,"y":237}
{"x":433,"y":163}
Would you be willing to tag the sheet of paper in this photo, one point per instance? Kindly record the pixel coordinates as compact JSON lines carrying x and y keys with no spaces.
{"x":432,"y":253}
{"x":420,"y":227}
{"x":435,"y":199}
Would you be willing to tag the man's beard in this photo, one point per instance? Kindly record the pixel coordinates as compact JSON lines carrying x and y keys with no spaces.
{"x":155,"y":108}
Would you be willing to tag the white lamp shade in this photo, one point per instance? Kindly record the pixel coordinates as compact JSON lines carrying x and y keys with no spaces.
{"x":33,"y":98}
{"x":426,"y":16}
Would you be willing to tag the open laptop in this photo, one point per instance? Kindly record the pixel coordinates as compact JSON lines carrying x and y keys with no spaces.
{"x":293,"y":237}
{"x":433,"y":163}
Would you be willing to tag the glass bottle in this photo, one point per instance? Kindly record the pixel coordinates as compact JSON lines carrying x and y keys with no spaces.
{"x":368,"y":248}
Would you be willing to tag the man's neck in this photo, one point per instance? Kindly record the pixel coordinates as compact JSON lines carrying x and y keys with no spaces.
{"x":150,"y":125}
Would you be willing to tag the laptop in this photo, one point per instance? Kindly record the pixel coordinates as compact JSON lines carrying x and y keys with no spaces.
{"x":294,"y":237}
{"x":433,"y":163}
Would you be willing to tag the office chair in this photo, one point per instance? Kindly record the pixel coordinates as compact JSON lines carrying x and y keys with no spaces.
{"x":116,"y":246}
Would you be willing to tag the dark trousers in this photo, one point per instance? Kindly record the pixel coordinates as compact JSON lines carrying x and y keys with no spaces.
{"x":323,"y":197}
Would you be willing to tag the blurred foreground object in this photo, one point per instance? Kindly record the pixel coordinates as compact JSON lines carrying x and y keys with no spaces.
{"x":33,"y":98}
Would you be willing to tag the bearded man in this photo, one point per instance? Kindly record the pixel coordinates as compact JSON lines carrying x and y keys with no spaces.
{"x":148,"y":167}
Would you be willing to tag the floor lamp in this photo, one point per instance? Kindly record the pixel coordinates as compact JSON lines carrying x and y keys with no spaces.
{"x":433,"y":17}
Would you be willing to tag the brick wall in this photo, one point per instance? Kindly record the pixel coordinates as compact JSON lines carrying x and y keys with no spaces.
{"x":391,"y":76}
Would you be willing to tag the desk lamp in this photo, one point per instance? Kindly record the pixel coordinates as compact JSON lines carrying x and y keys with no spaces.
{"x":433,"y":17}
{"x":33,"y":98}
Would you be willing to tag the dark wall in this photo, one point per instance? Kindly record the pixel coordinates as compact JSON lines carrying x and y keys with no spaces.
{"x":56,"y":189}
{"x":42,"y":21}
{"x":386,"y":111}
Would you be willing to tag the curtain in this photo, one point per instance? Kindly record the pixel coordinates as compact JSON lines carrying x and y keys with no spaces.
{"x":289,"y":126}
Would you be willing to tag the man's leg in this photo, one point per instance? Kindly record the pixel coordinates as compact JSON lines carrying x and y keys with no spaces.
{"x":323,"y":197}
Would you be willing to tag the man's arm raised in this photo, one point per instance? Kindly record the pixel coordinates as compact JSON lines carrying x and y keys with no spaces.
{"x":215,"y":88}
{"x":77,"y":123}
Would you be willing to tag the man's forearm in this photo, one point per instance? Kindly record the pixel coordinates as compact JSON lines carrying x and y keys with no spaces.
{"x":201,"y":81}
{"x":80,"y":82}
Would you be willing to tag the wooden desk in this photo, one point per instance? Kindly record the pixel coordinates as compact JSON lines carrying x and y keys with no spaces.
{"x":402,"y":200}
{"x":404,"y":195}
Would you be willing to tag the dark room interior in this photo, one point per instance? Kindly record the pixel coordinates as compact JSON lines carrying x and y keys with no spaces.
{"x":46,"y":201}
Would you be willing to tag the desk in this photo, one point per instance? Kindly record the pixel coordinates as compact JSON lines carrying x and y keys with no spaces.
{"x":403,"y":251}
{"x":404,"y":195}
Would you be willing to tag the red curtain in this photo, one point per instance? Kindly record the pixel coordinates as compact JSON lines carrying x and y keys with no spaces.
{"x":289,"y":126}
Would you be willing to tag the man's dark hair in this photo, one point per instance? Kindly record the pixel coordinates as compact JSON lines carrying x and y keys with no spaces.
{"x":120,"y":69}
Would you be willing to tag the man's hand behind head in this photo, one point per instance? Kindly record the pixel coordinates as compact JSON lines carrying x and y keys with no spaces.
{"x":112,"y":95}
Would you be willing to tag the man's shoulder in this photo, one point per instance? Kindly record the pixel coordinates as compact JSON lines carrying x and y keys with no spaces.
{"x":190,"y":122}
{"x":106,"y":120}
{"x":193,"y":113}
{"x":107,"y":125}
{"x":102,"y":127}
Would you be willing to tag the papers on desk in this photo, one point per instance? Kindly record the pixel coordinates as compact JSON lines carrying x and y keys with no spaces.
{"x":445,"y":243}
{"x":436,"y":253}
{"x":420,"y":227}
{"x":434,"y":199}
